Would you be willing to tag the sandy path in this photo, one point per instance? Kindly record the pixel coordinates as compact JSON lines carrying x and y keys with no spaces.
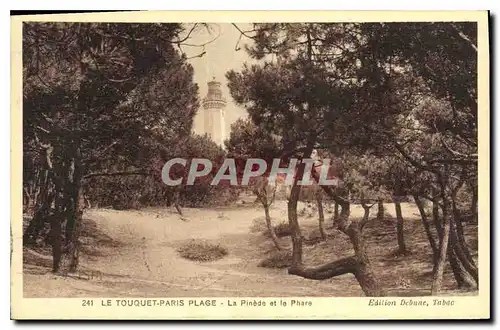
{"x":133,"y":254}
{"x":146,"y":262}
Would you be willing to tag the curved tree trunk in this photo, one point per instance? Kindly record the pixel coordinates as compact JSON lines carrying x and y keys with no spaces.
{"x":56,"y":236}
{"x":359,"y":264}
{"x":436,"y":216}
{"x":321,"y":218}
{"x":73,"y":229}
{"x":70,"y":176}
{"x":366,"y":209}
{"x":65,"y":218}
{"x":473,"y":207}
{"x":335,"y":213}
{"x":427,"y":228}
{"x":175,"y":201}
{"x":293,"y":222}
{"x":266,"y":198}
{"x":364,"y":272}
{"x":37,"y":223}
{"x":400,"y":226}
{"x":462,"y":277}
{"x":444,"y":238}
{"x":458,"y":249}
{"x":178,"y":208}
{"x":461,"y":239}
{"x":56,"y":239}
{"x":381,"y":210}
{"x":42,"y":202}
{"x":459,"y":232}
{"x":270,"y":227}
{"x":443,"y":250}
{"x":459,"y":244}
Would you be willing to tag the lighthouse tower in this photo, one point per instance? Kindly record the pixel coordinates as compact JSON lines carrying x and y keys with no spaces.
{"x":214,"y":105}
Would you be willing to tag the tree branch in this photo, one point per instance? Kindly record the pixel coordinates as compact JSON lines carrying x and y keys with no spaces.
{"x":120,"y":173}
{"x":464,"y":37}
{"x":187,"y":36}
{"x":456,"y":153}
{"x":329,"y":270}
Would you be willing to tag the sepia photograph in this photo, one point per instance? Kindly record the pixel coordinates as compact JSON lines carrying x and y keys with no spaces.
{"x":248,"y":169}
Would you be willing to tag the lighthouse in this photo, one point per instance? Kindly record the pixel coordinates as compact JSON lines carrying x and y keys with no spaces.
{"x":214,"y":105}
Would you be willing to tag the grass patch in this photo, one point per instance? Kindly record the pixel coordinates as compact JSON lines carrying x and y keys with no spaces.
{"x":259,"y":225}
{"x":202,"y":251}
{"x":278,"y":259}
{"x":282,"y":229}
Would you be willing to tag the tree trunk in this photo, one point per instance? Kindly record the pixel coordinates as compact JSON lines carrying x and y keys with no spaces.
{"x":458,"y":240}
{"x":336,"y":214}
{"x":444,"y":238}
{"x":294,"y":223}
{"x":176,"y":202}
{"x":459,"y":232}
{"x":473,"y":208}
{"x":178,"y":208}
{"x":42,"y":203}
{"x":366,"y":209}
{"x":321,"y":216}
{"x":462,"y":277}
{"x":73,"y":236}
{"x":37,"y":223}
{"x":270,"y":228}
{"x":439,"y":269}
{"x":400,"y":227}
{"x":458,"y":249}
{"x":428,"y":232}
{"x":461,"y":239}
{"x":56,"y":236}
{"x":359,"y":264}
{"x":364,"y":272}
{"x":168,"y":196}
{"x":436,"y":217}
{"x":381,"y":211}
{"x":73,"y":210}
{"x":67,"y":176}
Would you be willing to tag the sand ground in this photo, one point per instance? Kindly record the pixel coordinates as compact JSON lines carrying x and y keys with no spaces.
{"x":133,"y":254}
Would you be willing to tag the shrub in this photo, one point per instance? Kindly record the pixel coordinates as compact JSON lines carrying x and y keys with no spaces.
{"x":279,"y":259}
{"x":202,"y":251}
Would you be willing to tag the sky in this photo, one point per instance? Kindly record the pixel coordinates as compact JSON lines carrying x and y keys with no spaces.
{"x":220,"y":57}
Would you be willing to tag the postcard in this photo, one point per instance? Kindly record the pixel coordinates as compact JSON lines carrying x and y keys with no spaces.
{"x":197,"y":165}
